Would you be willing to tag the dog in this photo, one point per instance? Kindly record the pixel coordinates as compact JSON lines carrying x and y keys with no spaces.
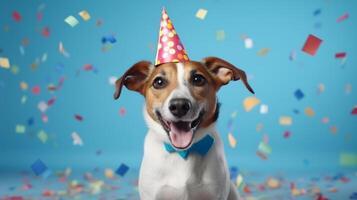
{"x":183,"y":152}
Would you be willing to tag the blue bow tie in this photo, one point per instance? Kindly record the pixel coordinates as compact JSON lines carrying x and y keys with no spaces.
{"x":201,"y":147}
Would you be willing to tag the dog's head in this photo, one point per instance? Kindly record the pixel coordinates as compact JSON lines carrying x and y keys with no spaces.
{"x":180,"y":97}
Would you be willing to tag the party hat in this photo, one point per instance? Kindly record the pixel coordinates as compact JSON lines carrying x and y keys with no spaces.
{"x":169,"y":47}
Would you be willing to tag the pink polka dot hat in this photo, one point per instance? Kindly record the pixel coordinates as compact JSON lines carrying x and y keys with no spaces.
{"x":169,"y":47}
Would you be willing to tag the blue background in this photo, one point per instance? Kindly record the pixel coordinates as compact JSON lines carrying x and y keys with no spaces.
{"x":281,"y":26}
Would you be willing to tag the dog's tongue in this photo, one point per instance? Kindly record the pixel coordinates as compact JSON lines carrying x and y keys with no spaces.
{"x":181,"y":134}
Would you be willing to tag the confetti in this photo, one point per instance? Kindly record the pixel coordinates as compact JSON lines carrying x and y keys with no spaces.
{"x":45,"y":32}
{"x":88,"y":67}
{"x":317,"y":12}
{"x":20,"y":129}
{"x":72,"y":21}
{"x":201,"y":13}
{"x":309,"y":112}
{"x":78,"y":117}
{"x":292,"y":55}
{"x":232,"y":141}
{"x":311,"y":45}
{"x":16,"y":16}
{"x":261,"y":155}
{"x":109,"y":39}
{"x":248,"y":43}
{"x":340,"y":55}
{"x":348,"y":159}
{"x":122,"y":170}
{"x":320,"y":88}
{"x":122,"y":111}
{"x":264,"y":109}
{"x":264,"y":148}
{"x":42,"y":136}
{"x":30,"y":121}
{"x":287,"y":134}
{"x":62,"y":50}
{"x":4,"y":63}
{"x":77,"y":140}
{"x":354,"y":110}
{"x":112,"y":80}
{"x":42,"y":106}
{"x":263,"y":52}
{"x":220,"y":35}
{"x":250,"y":102}
{"x":85,"y":15}
{"x":343,"y":17}
{"x":273,"y":183}
{"x":299,"y":94}
{"x":23,"y":85}
{"x":109,"y":173}
{"x":285,"y":121}
{"x":325,"y":120}
{"x":38,"y":167}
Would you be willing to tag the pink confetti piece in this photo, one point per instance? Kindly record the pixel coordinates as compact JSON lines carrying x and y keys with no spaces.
{"x":343,"y":17}
{"x":340,"y":55}
{"x":45,"y":32}
{"x":88,"y":67}
{"x":16,"y":16}
{"x":122,"y":111}
{"x":44,"y":118}
{"x":325,"y":120}
{"x":51,"y":101}
{"x":39,"y":16}
{"x":36,"y":90}
{"x":287,"y":134}
{"x":354,"y":111}
{"x":78,"y":117}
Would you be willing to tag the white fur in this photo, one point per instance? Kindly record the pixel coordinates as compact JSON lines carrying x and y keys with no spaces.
{"x":168,"y":176}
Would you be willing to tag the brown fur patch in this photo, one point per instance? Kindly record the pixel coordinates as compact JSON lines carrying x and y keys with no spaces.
{"x":204,"y":93}
{"x":156,"y":97}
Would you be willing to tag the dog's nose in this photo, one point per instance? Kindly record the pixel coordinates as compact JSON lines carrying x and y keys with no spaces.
{"x":179,"y":107}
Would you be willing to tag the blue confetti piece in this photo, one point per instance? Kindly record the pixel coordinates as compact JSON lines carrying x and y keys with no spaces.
{"x":30,"y":121}
{"x":122,"y":170}
{"x":317,"y":12}
{"x":234,"y":171}
{"x":110,"y":38}
{"x":299,"y":94}
{"x":38,"y":167}
{"x":353,"y":196}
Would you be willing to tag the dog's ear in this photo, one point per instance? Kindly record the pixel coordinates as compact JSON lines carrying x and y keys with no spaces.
{"x":134,"y":78}
{"x":224,"y":72}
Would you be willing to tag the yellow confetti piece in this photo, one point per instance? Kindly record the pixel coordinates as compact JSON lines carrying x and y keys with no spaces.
{"x":23,"y":85}
{"x":250,"y":102}
{"x":273,"y":183}
{"x":20,"y":129}
{"x":85,"y":15}
{"x":239,"y":181}
{"x":42,"y":135}
{"x":4,"y":63}
{"x":348,"y":159}
{"x":15,"y":69}
{"x":285,"y":120}
{"x":220,"y":35}
{"x":109,"y":173}
{"x":263,"y":52}
{"x":232,"y":141}
{"x":201,"y":14}
{"x":309,"y":112}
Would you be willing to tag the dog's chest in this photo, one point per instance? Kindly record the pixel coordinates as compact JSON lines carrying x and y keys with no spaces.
{"x":168,"y":176}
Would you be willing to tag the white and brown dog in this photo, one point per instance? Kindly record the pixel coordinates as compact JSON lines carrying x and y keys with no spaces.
{"x":183,"y":153}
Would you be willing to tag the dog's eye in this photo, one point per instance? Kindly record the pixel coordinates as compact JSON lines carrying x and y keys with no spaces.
{"x":198,"y":80}
{"x":159,"y":83}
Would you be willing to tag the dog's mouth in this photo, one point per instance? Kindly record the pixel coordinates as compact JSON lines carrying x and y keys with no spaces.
{"x":180,"y":133}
